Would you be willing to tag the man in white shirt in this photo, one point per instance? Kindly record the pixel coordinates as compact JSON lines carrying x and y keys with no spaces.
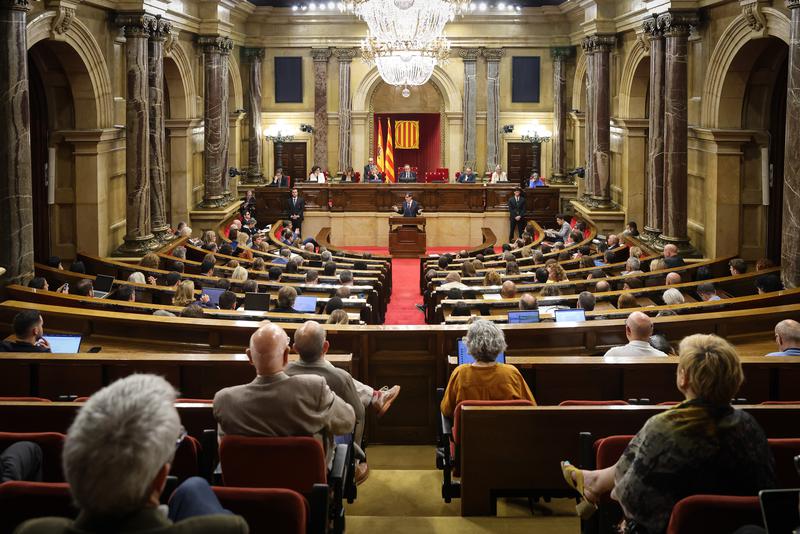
{"x":638,"y":329}
{"x":453,"y":280}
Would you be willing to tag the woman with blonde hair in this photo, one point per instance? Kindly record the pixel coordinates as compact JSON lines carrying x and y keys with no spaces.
{"x":657,"y":265}
{"x":244,"y":251}
{"x":635,"y":252}
{"x":556,"y":273}
{"x":150,"y":261}
{"x":701,"y":446}
{"x":492,"y":278}
{"x":338,"y":317}
{"x":239,"y":274}
{"x":626,"y":300}
{"x":184,"y":295}
{"x":209,"y":236}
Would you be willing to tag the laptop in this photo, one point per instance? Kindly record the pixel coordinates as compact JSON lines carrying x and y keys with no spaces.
{"x":779,"y":508}
{"x":213,"y":294}
{"x":573,"y":315}
{"x":256,"y":301}
{"x":523,"y":316}
{"x":599,"y":263}
{"x":464,"y":356}
{"x":306,"y":304}
{"x":64,"y":343}
{"x":102,"y":286}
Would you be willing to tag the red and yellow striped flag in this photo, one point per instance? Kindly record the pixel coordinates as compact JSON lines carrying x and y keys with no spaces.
{"x":379,"y":150}
{"x":406,"y":134}
{"x":388,"y":162}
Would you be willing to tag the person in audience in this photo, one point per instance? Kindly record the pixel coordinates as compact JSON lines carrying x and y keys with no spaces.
{"x":150,"y":261}
{"x":512,"y":268}
{"x":227,"y":301}
{"x":338,"y":317}
{"x":343,"y":292}
{"x":632,"y":283}
{"x":485,"y":379}
{"x":207,"y":266}
{"x":586,"y":301}
{"x":626,"y":300}
{"x":312,"y":277}
{"x":707,"y":292}
{"x":602,"y":286}
{"x":172,"y":280}
{"x":258,"y":264}
{"x":492,"y":278}
{"x":764,"y":263}
{"x":468,"y":269}
{"x":276,"y":404}
{"x":672,"y":296}
{"x":542,"y":275}
{"x":116,"y":458}
{"x":672,"y":278}
{"x":54,"y":262}
{"x":587,"y":262}
{"x":556,"y":272}
{"x":550,"y":291}
{"x":83,"y":288}
{"x":329,"y":268}
{"x":787,"y":337}
{"x":528,"y":302}
{"x":638,"y":329}
{"x":671,"y":257}
{"x":222,"y":283}
{"x":286,"y":297}
{"x":21,"y":461}
{"x":209,"y":237}
{"x":39,"y":282}
{"x":77,"y":266}
{"x":508,"y":290}
{"x":453,"y":279}
{"x":632,"y":266}
{"x":193,"y":311}
{"x":768,"y":283}
{"x":631,"y":229}
{"x":178,"y":267}
{"x":28,"y":328}
{"x":137,"y":278}
{"x":239,"y":274}
{"x":657,"y":264}
{"x":738,"y":266}
{"x":702,"y":446}
{"x":613,"y":242}
{"x":184,"y":295}
{"x":283,"y":257}
{"x":563,"y":256}
{"x":346,"y":277}
{"x":659,"y":342}
{"x":563,"y":231}
{"x":179,"y":252}
{"x":595,"y":274}
{"x":125,"y":294}
{"x":274,"y":273}
{"x":499,"y":175}
{"x":334,"y":303}
{"x":250,"y":286}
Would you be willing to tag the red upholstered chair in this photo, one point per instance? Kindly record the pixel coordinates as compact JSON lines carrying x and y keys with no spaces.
{"x":594,"y":403}
{"x":51,"y":444}
{"x":24,"y":399}
{"x":274,"y":510}
{"x":21,"y":501}
{"x":573,"y":222}
{"x":458,"y":175}
{"x":357,"y":177}
{"x":713,"y":514}
{"x":784,"y":451}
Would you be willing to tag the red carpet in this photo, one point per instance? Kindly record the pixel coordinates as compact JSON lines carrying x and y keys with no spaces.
{"x":405,"y":286}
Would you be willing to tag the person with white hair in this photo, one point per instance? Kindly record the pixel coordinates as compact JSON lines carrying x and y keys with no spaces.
{"x":787,"y":337}
{"x":672,"y":296}
{"x":638,"y":329}
{"x":116,"y":458}
{"x":485,"y":379}
{"x":239,"y":274}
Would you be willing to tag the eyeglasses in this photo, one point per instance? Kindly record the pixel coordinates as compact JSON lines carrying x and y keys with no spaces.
{"x":181,"y":436}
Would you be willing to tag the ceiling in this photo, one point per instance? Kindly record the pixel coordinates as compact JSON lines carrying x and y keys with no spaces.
{"x":524,"y":3}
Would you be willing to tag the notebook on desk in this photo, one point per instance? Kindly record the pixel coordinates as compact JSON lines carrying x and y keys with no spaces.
{"x":64,"y":343}
{"x":465,"y":357}
{"x":102,"y":286}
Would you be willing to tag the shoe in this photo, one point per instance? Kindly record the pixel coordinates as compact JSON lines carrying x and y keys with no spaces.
{"x":584,"y":508}
{"x":420,"y":307}
{"x":384,"y":401}
{"x":362,"y":473}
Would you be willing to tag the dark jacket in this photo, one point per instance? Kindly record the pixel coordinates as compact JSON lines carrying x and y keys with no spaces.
{"x":516,"y":206}
{"x":20,"y":346}
{"x":403,"y":178}
{"x":412,"y":211}
{"x":296,"y":208}
{"x":466,"y":178}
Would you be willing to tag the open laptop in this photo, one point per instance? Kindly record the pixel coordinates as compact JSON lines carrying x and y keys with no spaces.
{"x":523,"y":316}
{"x":780,"y":510}
{"x":464,"y":356}
{"x":256,"y":301}
{"x":102,"y":286}
{"x":306,"y":304}
{"x":573,"y":315}
{"x":64,"y":343}
{"x":213,"y":294}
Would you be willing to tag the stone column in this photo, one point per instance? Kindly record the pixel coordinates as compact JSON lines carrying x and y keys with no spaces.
{"x":138,"y":236}
{"x":790,"y":238}
{"x":159,"y":224}
{"x":345,"y":57}
{"x":493,"y":56}
{"x":254,"y":141}
{"x":470,"y":58}
{"x":588,"y":183}
{"x":655,"y":163}
{"x":215,"y":117}
{"x":321,"y":56}
{"x":601,"y":115}
{"x":225,"y":126}
{"x":676,"y":26}
{"x":16,"y":204}
{"x":559,"y":56}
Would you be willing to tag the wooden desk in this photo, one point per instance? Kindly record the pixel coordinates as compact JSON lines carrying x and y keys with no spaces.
{"x":407,"y":237}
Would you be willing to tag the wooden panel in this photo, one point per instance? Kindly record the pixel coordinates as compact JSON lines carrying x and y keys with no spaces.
{"x":69,"y":378}
{"x":15,"y":379}
{"x":520,"y":161}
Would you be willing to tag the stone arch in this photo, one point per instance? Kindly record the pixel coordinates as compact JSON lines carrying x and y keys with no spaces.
{"x":451,"y":95}
{"x":236,"y":97}
{"x":179,"y":78}
{"x":579,"y":84}
{"x":735,"y":36}
{"x":91,"y":81}
{"x":634,"y":84}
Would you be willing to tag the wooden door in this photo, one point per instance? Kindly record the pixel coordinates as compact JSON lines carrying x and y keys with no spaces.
{"x":520,"y":161}
{"x":293,"y":161}
{"x":39,"y":130}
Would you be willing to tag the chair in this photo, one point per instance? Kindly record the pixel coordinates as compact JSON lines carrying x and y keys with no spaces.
{"x":274,"y":510}
{"x":784,"y":452}
{"x":51,"y":444}
{"x":186,"y":462}
{"x":357,"y":177}
{"x":594,"y":403}
{"x":296,"y":463}
{"x":21,"y":501}
{"x":713,"y":514}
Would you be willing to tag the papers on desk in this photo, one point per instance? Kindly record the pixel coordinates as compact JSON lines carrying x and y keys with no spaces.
{"x":492,"y":296}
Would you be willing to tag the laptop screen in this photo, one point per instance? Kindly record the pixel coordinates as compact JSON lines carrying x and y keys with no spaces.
{"x":599,"y":263}
{"x":306,"y":304}
{"x":525,"y":316}
{"x":464,"y":356}
{"x":256,"y":301}
{"x":779,"y":509}
{"x":103,"y":283}
{"x":575,"y":315}
{"x":64,"y":343}
{"x":213,"y":294}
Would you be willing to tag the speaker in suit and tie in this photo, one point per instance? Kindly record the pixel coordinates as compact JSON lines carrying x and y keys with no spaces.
{"x":410,"y":207}
{"x":407,"y":175}
{"x":516,"y":212}
{"x":296,"y":208}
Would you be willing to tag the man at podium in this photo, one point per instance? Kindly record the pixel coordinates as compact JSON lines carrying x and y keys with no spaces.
{"x":410,"y":207}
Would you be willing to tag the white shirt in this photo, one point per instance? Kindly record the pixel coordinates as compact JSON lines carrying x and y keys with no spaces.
{"x":319,"y":178}
{"x":499,"y":177}
{"x":633,"y":348}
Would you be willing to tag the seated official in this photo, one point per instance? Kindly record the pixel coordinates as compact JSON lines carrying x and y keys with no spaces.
{"x":316,"y":176}
{"x":638,"y":329}
{"x":280,"y":179}
{"x":467,"y":177}
{"x":485,"y":379}
{"x":117,"y":455}
{"x":370,"y":169}
{"x":349,"y":176}
{"x":535,"y":181}
{"x":787,"y":337}
{"x":275,"y":404}
{"x":374,"y":177}
{"x":702,"y":446}
{"x":286,"y":297}
{"x":409,"y":208}
{"x":499,"y":175}
{"x":28,"y":331}
{"x":407,"y":175}
{"x":21,"y":461}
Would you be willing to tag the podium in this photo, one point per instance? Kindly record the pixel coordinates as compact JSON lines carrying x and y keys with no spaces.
{"x":407,"y":237}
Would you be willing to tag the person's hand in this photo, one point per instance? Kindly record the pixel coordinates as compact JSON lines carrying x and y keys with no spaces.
{"x":151,"y":280}
{"x":42,"y":342}
{"x":63,"y":289}
{"x":517,"y":218}
{"x":204,"y":298}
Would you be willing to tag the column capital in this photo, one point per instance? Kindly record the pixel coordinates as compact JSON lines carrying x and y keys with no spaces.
{"x":599,"y":42}
{"x":16,"y":5}
{"x":792,"y":4}
{"x":650,"y":27}
{"x":136,"y":24}
{"x":678,"y":22}
{"x":253,"y":53}
{"x":215,"y":44}
{"x":320,"y":55}
{"x":162,"y":29}
{"x":493,"y":54}
{"x":562,"y":52}
{"x":345,"y":55}
{"x":469,"y":54}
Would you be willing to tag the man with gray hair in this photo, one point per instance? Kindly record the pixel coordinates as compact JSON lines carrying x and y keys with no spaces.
{"x":638,"y":329}
{"x":787,"y":337}
{"x":283,"y":257}
{"x":326,"y":256}
{"x":117,"y":455}
{"x":632,"y":266}
{"x":346,"y":277}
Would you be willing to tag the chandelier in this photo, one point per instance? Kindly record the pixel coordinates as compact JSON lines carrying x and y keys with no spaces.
{"x":401,"y":64}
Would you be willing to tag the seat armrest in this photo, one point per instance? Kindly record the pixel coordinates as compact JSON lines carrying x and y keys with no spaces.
{"x":446,"y":427}
{"x":209,"y":454}
{"x":339,"y":466}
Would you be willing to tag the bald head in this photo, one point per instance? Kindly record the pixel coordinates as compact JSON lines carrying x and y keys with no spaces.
{"x":508,"y":290}
{"x":602,"y":286}
{"x":638,"y":327}
{"x":269,"y":349}
{"x":670,"y":250}
{"x":787,"y":334}
{"x":673,"y":278}
{"x":452,"y":276}
{"x":310,"y":342}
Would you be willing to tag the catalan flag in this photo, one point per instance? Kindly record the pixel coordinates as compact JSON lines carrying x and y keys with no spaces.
{"x":379,"y":151}
{"x":406,"y":134}
{"x":388,"y":162}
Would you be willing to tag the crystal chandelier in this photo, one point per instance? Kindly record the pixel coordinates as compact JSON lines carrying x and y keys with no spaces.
{"x":402,"y":65}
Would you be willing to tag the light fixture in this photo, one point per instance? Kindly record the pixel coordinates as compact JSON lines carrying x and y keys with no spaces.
{"x":482,"y":6}
{"x":402,"y":64}
{"x":312,"y":6}
{"x":534,"y":133}
{"x":294,"y":7}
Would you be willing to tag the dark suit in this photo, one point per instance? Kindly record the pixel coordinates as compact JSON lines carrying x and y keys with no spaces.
{"x":283,"y":181}
{"x":466,"y":178}
{"x":516,"y":208}
{"x":296,"y":207}
{"x":674,"y":261}
{"x":410,"y":211}
{"x":407,"y":177}
{"x":366,"y":170}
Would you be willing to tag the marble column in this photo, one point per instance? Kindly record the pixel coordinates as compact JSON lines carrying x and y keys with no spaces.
{"x":138,"y":235}
{"x":255,"y":137}
{"x":470,"y":58}
{"x":790,"y":238}
{"x":16,"y":205}
{"x":588,"y":183}
{"x":654,"y":215}
{"x":676,"y":26}
{"x":225,"y":123}
{"x":601,"y":115}
{"x":159,"y":225}
{"x":321,"y":56}
{"x":215,"y":117}
{"x":493,"y":56}
{"x":345,"y":57}
{"x":559,"y":56}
